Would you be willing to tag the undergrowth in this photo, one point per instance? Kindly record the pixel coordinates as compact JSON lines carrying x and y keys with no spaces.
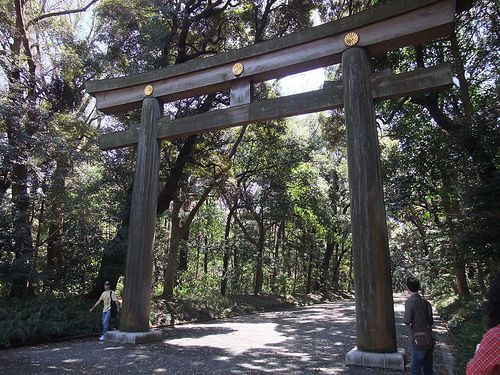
{"x":45,"y":319}
{"x":464,"y":318}
{"x":168,"y":312}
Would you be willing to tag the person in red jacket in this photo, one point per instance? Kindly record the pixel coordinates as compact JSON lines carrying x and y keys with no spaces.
{"x":487,"y":358}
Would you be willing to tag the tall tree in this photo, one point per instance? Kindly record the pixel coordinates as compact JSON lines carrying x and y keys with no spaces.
{"x":456,"y":158}
{"x":27,"y":105}
{"x":202,"y":181}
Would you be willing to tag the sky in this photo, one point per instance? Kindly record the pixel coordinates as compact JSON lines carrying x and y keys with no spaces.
{"x":302,"y":82}
{"x":305,"y":81}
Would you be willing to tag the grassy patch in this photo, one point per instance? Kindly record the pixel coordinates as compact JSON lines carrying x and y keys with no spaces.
{"x":464,"y":318}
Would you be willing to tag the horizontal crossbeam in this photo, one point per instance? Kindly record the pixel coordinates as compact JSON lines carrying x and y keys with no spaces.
{"x":381,"y":28}
{"x":384,"y":86}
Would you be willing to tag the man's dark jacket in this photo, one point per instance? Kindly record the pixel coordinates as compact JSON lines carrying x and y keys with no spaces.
{"x":418,"y":315}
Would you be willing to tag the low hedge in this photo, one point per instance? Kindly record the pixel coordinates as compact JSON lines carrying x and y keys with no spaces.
{"x":45,"y":319}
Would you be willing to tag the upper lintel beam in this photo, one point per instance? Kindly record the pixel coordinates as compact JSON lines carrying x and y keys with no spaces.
{"x":381,"y":28}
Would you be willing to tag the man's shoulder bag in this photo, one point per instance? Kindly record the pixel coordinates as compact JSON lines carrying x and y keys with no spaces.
{"x":424,"y":339}
{"x":114,"y":307}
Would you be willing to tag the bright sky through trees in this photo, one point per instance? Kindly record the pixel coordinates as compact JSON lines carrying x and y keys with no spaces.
{"x":302,"y":82}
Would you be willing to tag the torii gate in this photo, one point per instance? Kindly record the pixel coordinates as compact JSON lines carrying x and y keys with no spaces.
{"x":351,"y":41}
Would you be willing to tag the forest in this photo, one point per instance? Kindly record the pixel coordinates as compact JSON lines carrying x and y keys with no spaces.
{"x":261,"y":209}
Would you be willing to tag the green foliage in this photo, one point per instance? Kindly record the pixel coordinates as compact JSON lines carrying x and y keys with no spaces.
{"x":464,"y":318}
{"x":45,"y":319}
{"x":202,"y":287}
{"x":196,"y":297}
{"x":441,"y":164}
{"x":177,"y":310}
{"x":47,"y":135}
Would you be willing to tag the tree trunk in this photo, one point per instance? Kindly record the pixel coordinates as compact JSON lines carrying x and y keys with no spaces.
{"x":225,"y":268}
{"x":461,"y":277}
{"x":340,"y":256}
{"x":235,"y":280}
{"x":310,"y":264}
{"x":57,"y":196}
{"x":177,"y":234}
{"x":259,"y":266}
{"x":205,"y":256}
{"x":259,"y":244}
{"x":276,"y":261}
{"x":225,"y":261}
{"x":325,"y":265}
{"x":170,"y":274}
{"x":180,"y":230}
{"x":184,"y":252}
{"x":22,"y":268}
{"x":452,"y":210}
{"x":287,"y":268}
{"x":54,"y":249}
{"x":19,"y":132}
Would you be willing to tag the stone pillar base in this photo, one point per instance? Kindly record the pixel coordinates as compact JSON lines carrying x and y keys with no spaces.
{"x":133,"y":337}
{"x":391,"y":361}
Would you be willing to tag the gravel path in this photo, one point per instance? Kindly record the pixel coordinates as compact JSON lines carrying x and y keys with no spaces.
{"x":308,"y":340}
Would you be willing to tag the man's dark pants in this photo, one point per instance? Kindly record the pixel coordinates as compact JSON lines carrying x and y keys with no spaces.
{"x":421,"y":358}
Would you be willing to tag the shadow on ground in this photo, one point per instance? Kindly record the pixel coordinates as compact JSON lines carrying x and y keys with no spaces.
{"x":308,"y":340}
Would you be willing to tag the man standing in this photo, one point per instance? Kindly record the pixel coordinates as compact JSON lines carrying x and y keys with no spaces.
{"x":106,"y":297}
{"x":418,"y":315}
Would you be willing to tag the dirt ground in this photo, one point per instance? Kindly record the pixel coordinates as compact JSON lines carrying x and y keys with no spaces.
{"x":304,"y":340}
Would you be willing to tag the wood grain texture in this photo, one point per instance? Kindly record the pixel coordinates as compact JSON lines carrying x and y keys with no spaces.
{"x":375,"y":323}
{"x":241,"y":92}
{"x":139,"y":265}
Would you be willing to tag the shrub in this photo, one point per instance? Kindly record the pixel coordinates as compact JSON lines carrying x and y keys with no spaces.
{"x":45,"y":319}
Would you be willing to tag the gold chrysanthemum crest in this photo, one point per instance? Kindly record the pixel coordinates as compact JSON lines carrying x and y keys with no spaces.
{"x":148,"y":90}
{"x":351,"y":39}
{"x":238,"y":69}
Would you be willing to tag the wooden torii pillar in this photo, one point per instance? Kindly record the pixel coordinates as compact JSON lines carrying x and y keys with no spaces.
{"x":351,"y":41}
